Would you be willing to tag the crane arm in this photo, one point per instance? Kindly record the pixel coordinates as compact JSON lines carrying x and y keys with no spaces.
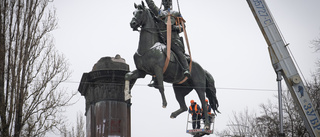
{"x":283,"y":63}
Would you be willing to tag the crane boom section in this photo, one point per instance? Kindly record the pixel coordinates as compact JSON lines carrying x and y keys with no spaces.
{"x":282,"y":61}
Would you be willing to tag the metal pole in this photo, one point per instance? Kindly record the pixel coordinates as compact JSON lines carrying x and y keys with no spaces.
{"x":279,"y":78}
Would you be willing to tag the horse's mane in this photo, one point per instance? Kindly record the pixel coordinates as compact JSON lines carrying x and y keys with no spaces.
{"x":155,"y":18}
{"x":158,"y":22}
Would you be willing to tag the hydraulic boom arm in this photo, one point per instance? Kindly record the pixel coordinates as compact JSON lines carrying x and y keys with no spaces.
{"x":283,"y":63}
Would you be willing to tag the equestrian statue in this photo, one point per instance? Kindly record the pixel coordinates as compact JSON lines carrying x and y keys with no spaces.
{"x":161,"y":54}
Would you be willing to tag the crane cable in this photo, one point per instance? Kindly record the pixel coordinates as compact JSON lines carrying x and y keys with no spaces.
{"x":178,"y":6}
{"x":181,"y":21}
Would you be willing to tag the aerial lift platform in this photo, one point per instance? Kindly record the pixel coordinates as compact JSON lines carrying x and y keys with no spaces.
{"x":202,"y":131}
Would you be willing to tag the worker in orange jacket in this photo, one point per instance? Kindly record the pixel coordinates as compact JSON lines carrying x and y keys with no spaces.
{"x":195,"y":111}
{"x":208,"y":110}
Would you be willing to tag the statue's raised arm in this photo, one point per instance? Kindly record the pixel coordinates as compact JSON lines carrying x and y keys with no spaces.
{"x":153,"y":7}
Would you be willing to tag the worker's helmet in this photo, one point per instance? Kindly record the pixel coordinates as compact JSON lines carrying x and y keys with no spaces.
{"x":167,"y":4}
{"x":192,"y":101}
{"x":207,"y":100}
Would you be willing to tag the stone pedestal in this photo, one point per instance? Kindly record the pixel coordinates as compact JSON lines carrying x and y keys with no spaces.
{"x":107,"y":113}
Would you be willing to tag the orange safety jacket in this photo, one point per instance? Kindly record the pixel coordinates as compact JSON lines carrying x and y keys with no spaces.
{"x":209,"y":110}
{"x":195,"y":108}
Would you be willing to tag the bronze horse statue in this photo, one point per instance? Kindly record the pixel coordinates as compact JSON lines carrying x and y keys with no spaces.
{"x":150,"y":58}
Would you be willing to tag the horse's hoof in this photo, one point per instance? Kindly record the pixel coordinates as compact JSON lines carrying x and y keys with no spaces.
{"x":173,"y":116}
{"x":164,"y":105}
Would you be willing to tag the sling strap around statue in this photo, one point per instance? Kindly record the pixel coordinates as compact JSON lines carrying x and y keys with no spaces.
{"x":169,"y":31}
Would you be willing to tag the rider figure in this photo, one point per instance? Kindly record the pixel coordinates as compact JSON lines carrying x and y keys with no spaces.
{"x":177,"y":45}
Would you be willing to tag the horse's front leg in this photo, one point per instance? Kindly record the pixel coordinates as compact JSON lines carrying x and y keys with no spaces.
{"x":180,"y":92}
{"x":131,"y":77}
{"x":159,"y":77}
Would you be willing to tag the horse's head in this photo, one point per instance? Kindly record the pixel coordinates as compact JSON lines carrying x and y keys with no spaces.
{"x":139,"y":16}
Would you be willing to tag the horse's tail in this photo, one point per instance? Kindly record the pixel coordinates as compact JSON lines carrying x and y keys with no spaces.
{"x":211,"y":92}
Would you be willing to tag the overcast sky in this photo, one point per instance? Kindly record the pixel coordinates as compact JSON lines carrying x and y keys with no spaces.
{"x":224,"y":38}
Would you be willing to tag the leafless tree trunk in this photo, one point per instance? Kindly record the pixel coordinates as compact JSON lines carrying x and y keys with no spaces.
{"x":32,"y":70}
{"x":314,"y":85}
{"x":240,"y":126}
{"x":267,"y":123}
{"x":80,"y":126}
{"x":314,"y":90}
{"x":4,"y":128}
{"x":316,"y":44}
{"x":293,"y":123}
{"x":79,"y":132}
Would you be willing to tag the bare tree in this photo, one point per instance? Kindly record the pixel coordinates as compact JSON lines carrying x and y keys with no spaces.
{"x":78,"y":132}
{"x":316,"y":44}
{"x":241,"y":125}
{"x":31,"y":69}
{"x":80,"y":126}
{"x":314,"y":85}
{"x":314,"y":89}
{"x":2,"y":68}
{"x":267,"y":123}
{"x":293,"y":123}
